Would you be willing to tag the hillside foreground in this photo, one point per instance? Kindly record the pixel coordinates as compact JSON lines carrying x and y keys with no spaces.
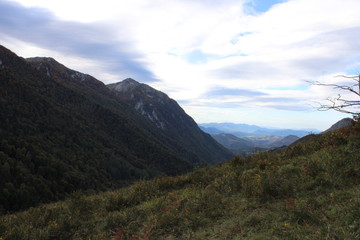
{"x":310,"y":190}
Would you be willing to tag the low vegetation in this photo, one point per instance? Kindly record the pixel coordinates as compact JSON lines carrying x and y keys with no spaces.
{"x":309,"y":190}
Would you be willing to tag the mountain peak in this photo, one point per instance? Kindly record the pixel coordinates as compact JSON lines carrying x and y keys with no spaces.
{"x":342,"y":123}
{"x":144,"y":99}
{"x":130,"y":88}
{"x":41,"y":59}
{"x":126,"y":85}
{"x":130,"y":80}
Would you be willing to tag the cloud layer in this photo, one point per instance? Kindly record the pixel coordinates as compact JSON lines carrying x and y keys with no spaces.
{"x":241,"y":55}
{"x":40,"y":27}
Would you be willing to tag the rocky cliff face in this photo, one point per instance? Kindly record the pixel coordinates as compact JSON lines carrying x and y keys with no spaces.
{"x":171,"y":120}
{"x":146,"y":100}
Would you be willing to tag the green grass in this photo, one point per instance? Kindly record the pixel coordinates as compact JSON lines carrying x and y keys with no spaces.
{"x":308,"y":191}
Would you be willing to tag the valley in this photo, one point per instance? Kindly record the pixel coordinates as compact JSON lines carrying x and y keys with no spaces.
{"x":244,"y":139}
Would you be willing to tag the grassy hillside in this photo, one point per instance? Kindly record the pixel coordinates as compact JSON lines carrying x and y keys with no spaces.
{"x":309,"y":190}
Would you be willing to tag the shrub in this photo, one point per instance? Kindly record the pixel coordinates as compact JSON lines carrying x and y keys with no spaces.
{"x":252,"y":183}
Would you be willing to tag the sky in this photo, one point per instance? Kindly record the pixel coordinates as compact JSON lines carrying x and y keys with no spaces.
{"x":240,"y":61}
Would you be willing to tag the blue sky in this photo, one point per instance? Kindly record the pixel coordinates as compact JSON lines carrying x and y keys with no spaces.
{"x":242,"y":61}
{"x":261,"y":6}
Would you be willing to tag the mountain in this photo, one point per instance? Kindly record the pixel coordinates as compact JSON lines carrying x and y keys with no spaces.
{"x":210,"y":130}
{"x":342,"y":123}
{"x":286,"y":141}
{"x":232,"y":142}
{"x":238,"y":146}
{"x":251,"y":138}
{"x":172,"y":125}
{"x":63,"y":131}
{"x":250,"y":145}
{"x":244,"y":130}
{"x":232,"y":127}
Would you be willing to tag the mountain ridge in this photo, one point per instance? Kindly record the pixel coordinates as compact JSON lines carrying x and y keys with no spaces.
{"x":167,"y":115}
{"x":243,"y":130}
{"x":339,"y":124}
{"x":63,"y":131}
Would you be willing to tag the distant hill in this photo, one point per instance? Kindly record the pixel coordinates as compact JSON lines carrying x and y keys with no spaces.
{"x":232,"y":127}
{"x":286,"y":141}
{"x":243,"y":130}
{"x":244,"y":139}
{"x":345,"y":122}
{"x":63,"y":131}
{"x":232,"y":142}
{"x":210,"y":130}
{"x":249,"y":145}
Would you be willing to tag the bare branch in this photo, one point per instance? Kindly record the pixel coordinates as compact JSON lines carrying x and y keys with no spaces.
{"x":336,"y":86}
{"x":351,"y":77}
{"x":339,"y":103}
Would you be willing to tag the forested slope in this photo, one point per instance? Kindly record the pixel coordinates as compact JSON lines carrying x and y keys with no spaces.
{"x":63,"y":131}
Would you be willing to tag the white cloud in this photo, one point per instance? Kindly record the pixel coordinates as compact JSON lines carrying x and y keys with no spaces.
{"x":193,"y":46}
